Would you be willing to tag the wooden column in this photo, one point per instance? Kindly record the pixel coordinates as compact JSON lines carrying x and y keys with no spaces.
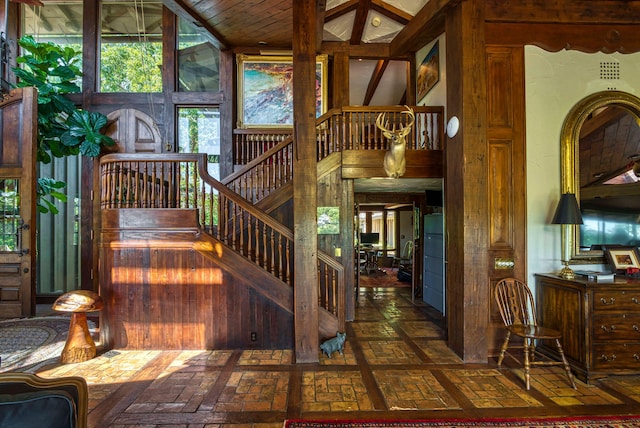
{"x":466,"y":184}
{"x":340,"y":92}
{"x":307,"y":345}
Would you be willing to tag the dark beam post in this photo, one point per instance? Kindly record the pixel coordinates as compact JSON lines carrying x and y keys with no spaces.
{"x":466,"y":184}
{"x":307,"y":345}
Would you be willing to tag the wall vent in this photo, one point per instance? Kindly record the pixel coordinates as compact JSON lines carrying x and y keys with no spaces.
{"x":610,"y":70}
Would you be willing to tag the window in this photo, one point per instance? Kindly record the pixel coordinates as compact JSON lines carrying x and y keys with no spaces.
{"x":198,"y":60}
{"x":10,"y":210}
{"x":199,"y":132}
{"x":131,"y":46}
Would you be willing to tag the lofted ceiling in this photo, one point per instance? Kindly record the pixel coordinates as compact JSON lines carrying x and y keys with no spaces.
{"x":380,"y":37}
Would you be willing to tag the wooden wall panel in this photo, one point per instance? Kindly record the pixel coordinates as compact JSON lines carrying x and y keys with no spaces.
{"x":506,"y":181}
{"x":174,"y":297}
{"x":500,"y":192}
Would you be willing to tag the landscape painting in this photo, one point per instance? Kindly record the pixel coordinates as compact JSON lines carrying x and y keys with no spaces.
{"x":429,"y":72}
{"x":265,"y":87}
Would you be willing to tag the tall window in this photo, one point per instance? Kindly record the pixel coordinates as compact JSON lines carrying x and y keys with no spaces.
{"x":198,"y":60}
{"x":131,"y":46}
{"x":58,"y":22}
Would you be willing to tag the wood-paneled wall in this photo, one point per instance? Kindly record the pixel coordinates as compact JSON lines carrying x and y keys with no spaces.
{"x":506,"y":180}
{"x":166,"y":288}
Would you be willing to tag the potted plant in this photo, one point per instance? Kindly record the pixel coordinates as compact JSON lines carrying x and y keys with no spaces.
{"x":63,"y":129}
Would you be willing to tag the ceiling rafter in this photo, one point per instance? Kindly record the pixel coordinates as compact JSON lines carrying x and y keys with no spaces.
{"x":359,"y":21}
{"x":187,"y":12}
{"x":391,"y":12}
{"x":375,"y":80}
{"x":341,"y":10}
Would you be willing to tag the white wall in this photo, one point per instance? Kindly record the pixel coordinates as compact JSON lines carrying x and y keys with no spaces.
{"x":555,"y":82}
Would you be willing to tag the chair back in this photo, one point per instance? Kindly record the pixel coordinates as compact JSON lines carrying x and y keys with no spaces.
{"x":406,"y":251}
{"x":515,"y":302}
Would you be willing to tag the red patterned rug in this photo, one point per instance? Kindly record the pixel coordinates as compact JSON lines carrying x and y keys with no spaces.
{"x":568,"y":422}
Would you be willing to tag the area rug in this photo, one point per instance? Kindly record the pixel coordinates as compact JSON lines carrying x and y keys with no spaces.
{"x":384,"y":277}
{"x":27,"y":344}
{"x":568,"y":422}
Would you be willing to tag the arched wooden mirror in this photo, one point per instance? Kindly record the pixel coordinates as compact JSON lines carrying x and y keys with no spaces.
{"x":601,"y":164}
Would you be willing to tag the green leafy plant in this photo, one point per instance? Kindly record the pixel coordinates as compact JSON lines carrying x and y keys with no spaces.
{"x":63,"y":129}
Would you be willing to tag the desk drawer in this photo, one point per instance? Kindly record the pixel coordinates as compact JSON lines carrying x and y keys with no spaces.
{"x":616,"y":300}
{"x":616,"y":356}
{"x":616,"y":327}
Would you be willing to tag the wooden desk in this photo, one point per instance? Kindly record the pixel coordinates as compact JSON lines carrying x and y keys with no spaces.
{"x":600,"y":323}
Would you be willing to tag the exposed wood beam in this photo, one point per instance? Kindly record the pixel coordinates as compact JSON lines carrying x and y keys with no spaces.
{"x":341,"y":10}
{"x":321,"y":8}
{"x":389,"y":11}
{"x":423,"y":28}
{"x":359,"y":22}
{"x":378,"y":72}
{"x":179,"y":8}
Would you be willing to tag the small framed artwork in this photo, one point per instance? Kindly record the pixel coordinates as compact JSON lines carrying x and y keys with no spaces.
{"x":429,"y":72}
{"x":265,"y":90}
{"x":623,"y":258}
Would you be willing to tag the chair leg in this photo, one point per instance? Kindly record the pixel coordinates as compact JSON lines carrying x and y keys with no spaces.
{"x":527,"y":366}
{"x":567,"y":368}
{"x":504,"y":348}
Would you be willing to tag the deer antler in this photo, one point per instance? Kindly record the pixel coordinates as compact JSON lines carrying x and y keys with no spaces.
{"x":403,"y":130}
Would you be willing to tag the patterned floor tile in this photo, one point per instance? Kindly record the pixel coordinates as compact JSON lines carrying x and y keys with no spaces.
{"x":438,"y":351}
{"x":266,"y":357}
{"x":389,"y":352}
{"x":413,"y":390}
{"x":554,"y":384}
{"x":248,"y":391}
{"x":487,"y":388}
{"x":373,"y":329}
{"x":334,"y":391}
{"x":421,"y":328}
{"x":628,"y":385}
{"x":336,"y":359}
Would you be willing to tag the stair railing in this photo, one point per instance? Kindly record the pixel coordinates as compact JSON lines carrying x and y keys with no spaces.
{"x":346,"y":128}
{"x":182,"y":181}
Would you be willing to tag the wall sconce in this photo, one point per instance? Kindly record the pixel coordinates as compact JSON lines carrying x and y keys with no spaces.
{"x":567,"y":213}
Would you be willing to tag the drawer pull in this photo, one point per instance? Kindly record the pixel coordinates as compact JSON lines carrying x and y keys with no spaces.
{"x":636,"y":328}
{"x":611,"y":301}
{"x":604,"y":357}
{"x":608,"y":329}
{"x":634,"y":300}
{"x":637,"y":357}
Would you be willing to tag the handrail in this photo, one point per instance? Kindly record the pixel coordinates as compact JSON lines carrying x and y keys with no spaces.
{"x":181,"y":181}
{"x":339,"y":129}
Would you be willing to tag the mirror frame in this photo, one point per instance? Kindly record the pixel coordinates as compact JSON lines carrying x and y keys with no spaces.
{"x":569,"y":139}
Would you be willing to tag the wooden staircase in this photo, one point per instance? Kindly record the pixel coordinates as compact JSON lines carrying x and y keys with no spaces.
{"x":235,"y":233}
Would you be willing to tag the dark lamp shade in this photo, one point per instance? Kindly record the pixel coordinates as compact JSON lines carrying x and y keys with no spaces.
{"x":568,"y":211}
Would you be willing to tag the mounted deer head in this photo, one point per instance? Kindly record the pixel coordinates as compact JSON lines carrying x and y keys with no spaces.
{"x":394,"y":160}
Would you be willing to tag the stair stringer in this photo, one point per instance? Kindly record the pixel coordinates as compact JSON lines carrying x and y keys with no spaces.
{"x":258,"y":279}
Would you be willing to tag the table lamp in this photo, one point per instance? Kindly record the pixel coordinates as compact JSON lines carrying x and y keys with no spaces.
{"x":567,"y":213}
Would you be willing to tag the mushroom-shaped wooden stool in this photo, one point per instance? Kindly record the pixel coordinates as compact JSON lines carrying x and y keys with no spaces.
{"x":80,"y":346}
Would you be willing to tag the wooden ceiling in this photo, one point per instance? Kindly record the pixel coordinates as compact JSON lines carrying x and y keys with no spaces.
{"x":380,"y":28}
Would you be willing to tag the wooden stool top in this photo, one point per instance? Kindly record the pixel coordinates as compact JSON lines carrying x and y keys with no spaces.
{"x":78,"y":301}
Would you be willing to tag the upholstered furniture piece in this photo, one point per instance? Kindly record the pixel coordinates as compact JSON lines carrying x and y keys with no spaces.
{"x":517,"y":309}
{"x":30,"y":401}
{"x":599,"y":321}
{"x":80,"y":346}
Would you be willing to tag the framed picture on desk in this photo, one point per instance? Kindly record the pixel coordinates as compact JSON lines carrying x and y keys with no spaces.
{"x":623,"y":259}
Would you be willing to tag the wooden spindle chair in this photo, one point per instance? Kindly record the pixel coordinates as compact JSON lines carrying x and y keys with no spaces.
{"x":517,"y":309}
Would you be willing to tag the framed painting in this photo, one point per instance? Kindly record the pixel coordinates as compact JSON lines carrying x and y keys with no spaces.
{"x":429,"y":72}
{"x":622,"y":258}
{"x":265,"y":90}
